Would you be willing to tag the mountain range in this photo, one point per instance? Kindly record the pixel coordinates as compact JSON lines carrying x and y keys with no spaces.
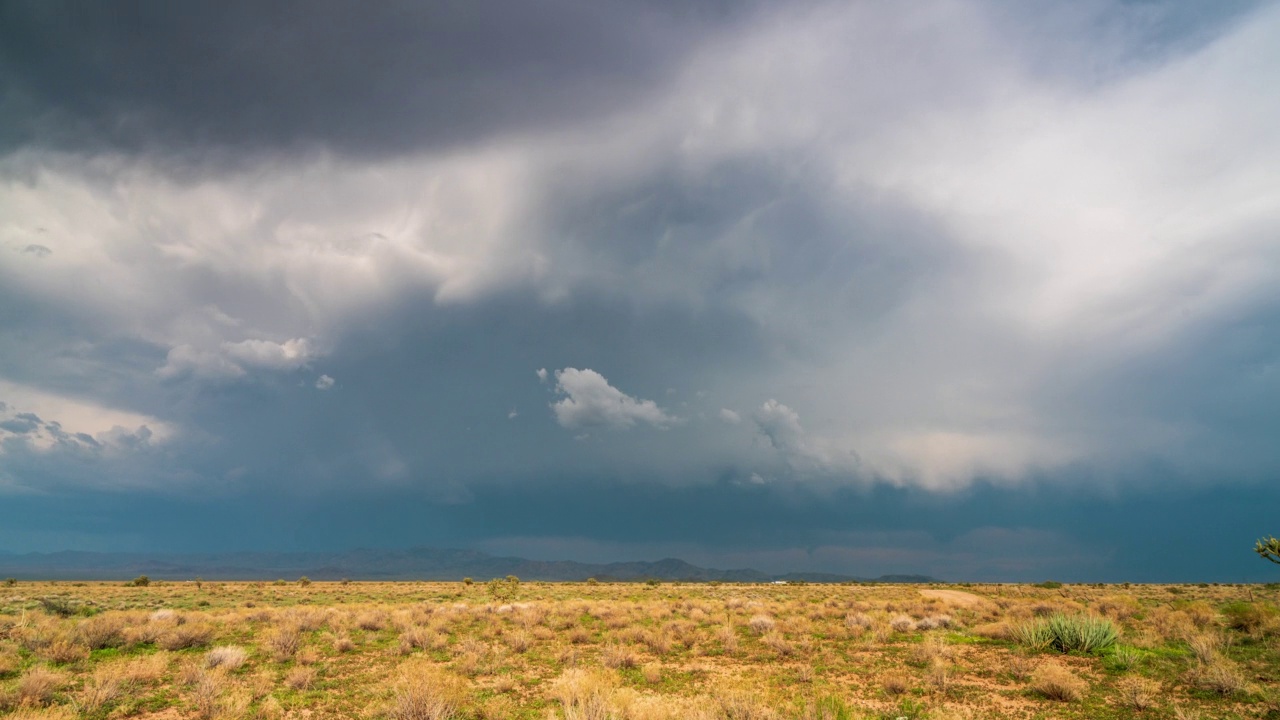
{"x":365,"y":564}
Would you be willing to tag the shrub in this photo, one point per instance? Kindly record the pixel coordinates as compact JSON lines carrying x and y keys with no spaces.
{"x":37,"y":686}
{"x":1057,"y":683}
{"x":63,"y":651}
{"x":761,"y":623}
{"x":140,"y":581}
{"x":1139,"y":693}
{"x":226,"y":656}
{"x":60,"y":606}
{"x":1220,"y":676}
{"x":283,"y":643}
{"x":10,"y":582}
{"x":1248,"y":617}
{"x":896,"y":683}
{"x":902,"y":624}
{"x":186,"y":635}
{"x":1085,"y":633}
{"x":775,"y":641}
{"x":1066,"y":633}
{"x":304,"y":581}
{"x":1049,"y":585}
{"x":426,"y":693}
{"x":619,"y":657}
{"x":504,"y":589}
{"x":300,"y":678}
{"x":584,"y":695}
{"x":103,"y":631}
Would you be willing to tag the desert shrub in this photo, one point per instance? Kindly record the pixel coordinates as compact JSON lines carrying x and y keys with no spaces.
{"x":584,"y":695}
{"x":1048,"y":585}
{"x":99,"y":690}
{"x":9,"y":662}
{"x":1057,"y":683}
{"x":1249,"y":617}
{"x":229,"y":657}
{"x":60,"y":606}
{"x":427,"y":693}
{"x":902,"y":624}
{"x":1139,"y":693}
{"x":896,"y":683}
{"x":619,"y":657}
{"x":282,"y":643}
{"x":140,"y":581}
{"x":761,"y":623}
{"x":102,"y":631}
{"x":300,"y":678}
{"x":186,"y":635}
{"x":63,"y":651}
{"x":304,"y":581}
{"x":1220,"y":676}
{"x":504,"y":589}
{"x":37,"y":686}
{"x":10,"y":582}
{"x":778,"y":643}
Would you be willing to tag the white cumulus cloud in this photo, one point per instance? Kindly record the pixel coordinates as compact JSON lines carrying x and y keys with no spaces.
{"x":590,"y":401}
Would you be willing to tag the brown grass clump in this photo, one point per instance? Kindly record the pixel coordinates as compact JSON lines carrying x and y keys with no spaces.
{"x":63,"y":651}
{"x":229,"y":657}
{"x":1221,"y":676}
{"x":282,"y":643}
{"x":102,"y":631}
{"x":778,"y":643}
{"x":761,"y":624}
{"x":300,"y":678}
{"x":896,"y":683}
{"x":185,"y":635}
{"x":9,"y":662}
{"x":1205,"y":647}
{"x":146,"y":669}
{"x":424,"y":692}
{"x":902,"y":624}
{"x":583,"y":694}
{"x":104,"y":687}
{"x":37,"y":686}
{"x":1139,"y":693}
{"x":619,"y":657}
{"x":1058,"y":683}
{"x":206,"y":692}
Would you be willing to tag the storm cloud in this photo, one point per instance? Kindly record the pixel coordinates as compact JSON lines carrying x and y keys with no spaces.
{"x":946,"y":266}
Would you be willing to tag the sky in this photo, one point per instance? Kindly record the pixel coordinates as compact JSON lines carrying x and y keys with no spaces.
{"x":984,"y":290}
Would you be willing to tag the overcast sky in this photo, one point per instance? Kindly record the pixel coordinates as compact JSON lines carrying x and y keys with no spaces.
{"x":986,"y":290}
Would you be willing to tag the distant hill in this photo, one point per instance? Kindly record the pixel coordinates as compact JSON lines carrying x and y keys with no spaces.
{"x":411,"y":564}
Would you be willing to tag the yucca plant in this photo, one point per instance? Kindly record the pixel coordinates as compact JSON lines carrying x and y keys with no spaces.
{"x":1085,"y":633}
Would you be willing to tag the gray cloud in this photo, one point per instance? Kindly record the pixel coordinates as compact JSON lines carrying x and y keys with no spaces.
{"x":1018,"y":248}
{"x":337,"y":74}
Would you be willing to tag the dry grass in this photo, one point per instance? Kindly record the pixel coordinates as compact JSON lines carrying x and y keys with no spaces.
{"x":229,"y":657}
{"x":1139,"y":693}
{"x":37,"y":686}
{"x":1058,"y":683}
{"x":248,"y":651}
{"x":424,"y":692}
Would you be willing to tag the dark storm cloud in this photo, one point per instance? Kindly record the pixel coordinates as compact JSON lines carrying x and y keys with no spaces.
{"x":351,"y":76}
{"x":832,"y":286}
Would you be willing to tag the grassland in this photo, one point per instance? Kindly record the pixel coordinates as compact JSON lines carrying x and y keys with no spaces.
{"x":410,"y":651}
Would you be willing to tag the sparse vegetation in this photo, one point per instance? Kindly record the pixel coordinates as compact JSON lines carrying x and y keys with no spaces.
{"x":628,"y":651}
